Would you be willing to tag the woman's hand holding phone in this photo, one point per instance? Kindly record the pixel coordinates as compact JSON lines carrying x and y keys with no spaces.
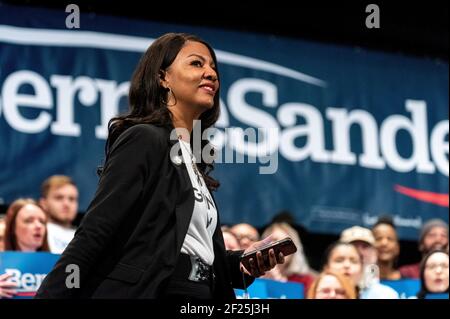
{"x":257,"y":260}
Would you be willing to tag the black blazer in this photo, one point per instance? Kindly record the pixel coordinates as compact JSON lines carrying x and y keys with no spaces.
{"x":130,"y":239}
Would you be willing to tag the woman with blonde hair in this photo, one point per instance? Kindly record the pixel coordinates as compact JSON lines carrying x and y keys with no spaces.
{"x":296,"y":267}
{"x":332,"y":285}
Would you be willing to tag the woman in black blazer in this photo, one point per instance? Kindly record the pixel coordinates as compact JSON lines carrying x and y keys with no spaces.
{"x":152,"y":229}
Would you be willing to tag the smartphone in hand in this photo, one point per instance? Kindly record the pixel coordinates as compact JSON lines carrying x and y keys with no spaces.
{"x":285,"y":246}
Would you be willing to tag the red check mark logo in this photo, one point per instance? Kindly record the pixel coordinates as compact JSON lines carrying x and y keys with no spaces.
{"x":423,"y":196}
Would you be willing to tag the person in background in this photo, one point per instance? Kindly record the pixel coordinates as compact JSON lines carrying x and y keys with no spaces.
{"x":25,"y":230}
{"x":369,"y":285}
{"x":25,"y":227}
{"x":362,"y":238}
{"x":59,"y":198}
{"x":433,"y":235}
{"x":388,"y":248}
{"x":296,"y":267}
{"x":345,"y":259}
{"x":246,"y":234}
{"x":231,"y":242}
{"x":332,"y":285}
{"x":434,"y":273}
{"x":2,"y":233}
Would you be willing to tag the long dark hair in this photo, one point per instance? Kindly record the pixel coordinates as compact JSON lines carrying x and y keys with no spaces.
{"x":148,"y":98}
{"x":423,"y":287}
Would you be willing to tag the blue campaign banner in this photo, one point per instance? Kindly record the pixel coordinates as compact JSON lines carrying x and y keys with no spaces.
{"x":437,"y":296}
{"x":406,"y":288}
{"x":28,"y":270}
{"x":350,"y":134}
{"x":271,"y":289}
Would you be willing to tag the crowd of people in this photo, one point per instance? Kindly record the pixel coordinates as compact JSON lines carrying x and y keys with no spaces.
{"x":353,"y":267}
{"x":44,"y":225}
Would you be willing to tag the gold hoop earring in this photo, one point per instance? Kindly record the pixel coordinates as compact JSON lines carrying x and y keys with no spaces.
{"x":168,"y":95}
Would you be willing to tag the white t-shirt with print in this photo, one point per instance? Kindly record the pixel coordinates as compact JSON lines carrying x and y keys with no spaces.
{"x":58,"y":237}
{"x":198,"y":241}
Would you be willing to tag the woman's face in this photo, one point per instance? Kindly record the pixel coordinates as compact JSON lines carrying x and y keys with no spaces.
{"x":30,"y":227}
{"x":192,"y":77}
{"x":329,"y":287}
{"x":436,"y":272}
{"x":344,"y":259}
{"x":386,"y":242}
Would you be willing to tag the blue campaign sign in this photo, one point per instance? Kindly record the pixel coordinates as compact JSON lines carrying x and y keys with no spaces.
{"x":406,"y":288}
{"x":270,"y":289}
{"x":28,"y":270}
{"x":350,"y":134}
{"x":437,"y":296}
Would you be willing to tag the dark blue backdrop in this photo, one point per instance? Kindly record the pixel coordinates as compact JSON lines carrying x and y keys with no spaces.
{"x":59,"y":87}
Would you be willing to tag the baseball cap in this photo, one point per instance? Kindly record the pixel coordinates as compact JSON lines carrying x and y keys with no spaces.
{"x":356,"y":233}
